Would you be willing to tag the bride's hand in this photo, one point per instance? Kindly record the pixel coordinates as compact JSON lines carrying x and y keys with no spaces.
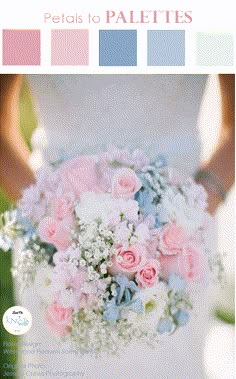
{"x":15,"y":173}
{"x":217,"y":175}
{"x":9,"y":83}
{"x":214,"y":198}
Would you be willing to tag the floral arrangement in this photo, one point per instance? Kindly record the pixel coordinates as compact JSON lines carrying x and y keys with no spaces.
{"x":113,"y":244}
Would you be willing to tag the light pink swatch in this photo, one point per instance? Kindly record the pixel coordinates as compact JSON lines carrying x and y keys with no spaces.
{"x":21,"y":47}
{"x":70,"y":47}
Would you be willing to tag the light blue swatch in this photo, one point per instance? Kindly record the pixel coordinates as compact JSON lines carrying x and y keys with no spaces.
{"x":214,"y":49}
{"x":166,"y":47}
{"x":118,"y":48}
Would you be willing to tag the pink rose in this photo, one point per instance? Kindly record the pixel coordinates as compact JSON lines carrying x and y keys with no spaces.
{"x":55,"y":232}
{"x":79,"y":174}
{"x":128,"y":261}
{"x":190,"y":264}
{"x":59,"y":319}
{"x":172,"y":239}
{"x":125,"y":183}
{"x":148,"y":275}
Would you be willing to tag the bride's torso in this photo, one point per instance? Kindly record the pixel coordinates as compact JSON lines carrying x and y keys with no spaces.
{"x":87,"y":113}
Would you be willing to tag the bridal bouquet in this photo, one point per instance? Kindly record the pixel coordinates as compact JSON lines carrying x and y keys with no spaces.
{"x":114,"y":246}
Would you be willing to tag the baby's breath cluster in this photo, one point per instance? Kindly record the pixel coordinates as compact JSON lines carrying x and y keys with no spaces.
{"x":33,"y":254}
{"x":96,"y":245}
{"x":91,"y":333}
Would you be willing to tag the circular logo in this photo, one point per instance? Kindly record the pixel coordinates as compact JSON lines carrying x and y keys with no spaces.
{"x":17,"y":320}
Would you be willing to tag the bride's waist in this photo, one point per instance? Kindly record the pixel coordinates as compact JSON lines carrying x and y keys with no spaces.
{"x":182,"y":152}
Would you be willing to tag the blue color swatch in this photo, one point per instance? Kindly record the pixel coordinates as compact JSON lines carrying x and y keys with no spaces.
{"x":166,"y":47}
{"x":118,"y":47}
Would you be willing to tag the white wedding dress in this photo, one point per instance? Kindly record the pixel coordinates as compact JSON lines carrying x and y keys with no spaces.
{"x":87,"y":113}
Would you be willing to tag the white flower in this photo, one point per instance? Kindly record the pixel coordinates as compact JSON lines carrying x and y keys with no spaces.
{"x":142,"y":232}
{"x":89,"y":288}
{"x":71,"y":254}
{"x":154,"y":300}
{"x":101,"y":206}
{"x":174,"y":208}
{"x":133,"y":240}
{"x":103,"y":268}
{"x":130,"y":315}
{"x":122,"y":233}
{"x":43,"y":283}
{"x":150,"y":221}
{"x":88,"y":254}
{"x":67,"y":283}
{"x":127,"y":208}
{"x":94,"y":206}
{"x":82,"y":263}
{"x":196,"y":194}
{"x":32,"y":205}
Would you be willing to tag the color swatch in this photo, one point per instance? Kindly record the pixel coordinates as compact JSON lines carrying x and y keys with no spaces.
{"x":21,"y":47}
{"x":166,"y":47}
{"x":214,"y":49}
{"x":118,"y":47}
{"x":122,"y":47}
{"x":70,"y":47}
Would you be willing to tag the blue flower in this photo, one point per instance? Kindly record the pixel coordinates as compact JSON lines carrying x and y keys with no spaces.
{"x":176,"y":283}
{"x":160,"y":161}
{"x":111,"y":312}
{"x":25,"y":224}
{"x":136,"y":306}
{"x":158,"y":223}
{"x":182,"y":317}
{"x":165,"y":326}
{"x":145,"y":201}
{"x":123,"y":300}
{"x":126,"y":287}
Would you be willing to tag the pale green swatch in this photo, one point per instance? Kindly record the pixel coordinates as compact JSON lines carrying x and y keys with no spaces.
{"x":214,"y":49}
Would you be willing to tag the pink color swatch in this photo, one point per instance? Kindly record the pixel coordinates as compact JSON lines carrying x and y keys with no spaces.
{"x":21,"y":47}
{"x":70,"y":47}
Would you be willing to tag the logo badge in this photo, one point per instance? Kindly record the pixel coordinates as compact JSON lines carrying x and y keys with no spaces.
{"x":17,"y":320}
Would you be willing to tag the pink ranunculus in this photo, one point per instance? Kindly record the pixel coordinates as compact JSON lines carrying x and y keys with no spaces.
{"x":55,"y":232}
{"x":190,"y":264}
{"x":172,"y":239}
{"x":62,"y":207}
{"x":67,"y":284}
{"x":33,"y":204}
{"x":59,"y":319}
{"x":128,"y":261}
{"x":80,"y":174}
{"x":88,"y":301}
{"x":148,"y":275}
{"x":125,"y":183}
{"x":65,"y":255}
{"x":153,"y":246}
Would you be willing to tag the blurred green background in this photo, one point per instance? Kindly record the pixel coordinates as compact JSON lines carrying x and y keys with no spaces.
{"x":27,"y":125}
